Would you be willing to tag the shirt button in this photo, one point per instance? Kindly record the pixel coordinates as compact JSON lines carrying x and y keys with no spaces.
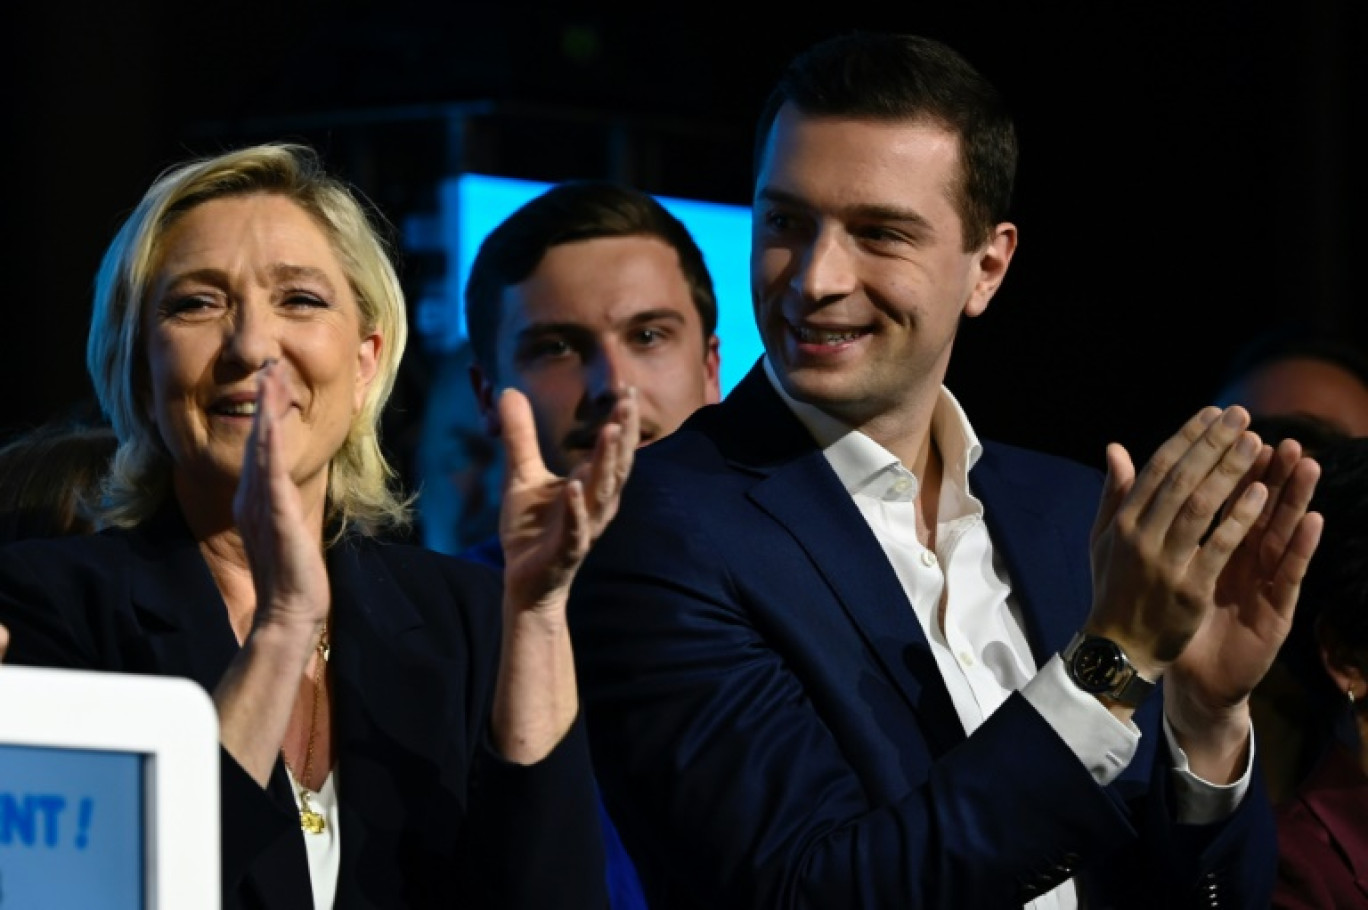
{"x":902,"y":485}
{"x":928,"y":558}
{"x":966,"y":658}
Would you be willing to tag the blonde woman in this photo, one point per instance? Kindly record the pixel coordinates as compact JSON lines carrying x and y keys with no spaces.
{"x":399,"y":729}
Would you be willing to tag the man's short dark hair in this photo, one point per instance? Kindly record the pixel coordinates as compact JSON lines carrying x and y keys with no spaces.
{"x":892,"y":78}
{"x":568,"y":212}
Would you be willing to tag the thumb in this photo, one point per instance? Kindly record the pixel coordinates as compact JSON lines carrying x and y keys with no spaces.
{"x":519,"y":435}
{"x":1120,"y":479}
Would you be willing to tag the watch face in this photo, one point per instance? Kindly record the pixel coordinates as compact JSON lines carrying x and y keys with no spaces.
{"x":1096,"y":664}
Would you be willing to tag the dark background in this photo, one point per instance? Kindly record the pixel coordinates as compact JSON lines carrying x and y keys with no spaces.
{"x":1190,"y":174}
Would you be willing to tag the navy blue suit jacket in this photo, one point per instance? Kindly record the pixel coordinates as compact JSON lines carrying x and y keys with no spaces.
{"x":770,"y":728}
{"x":429,"y":815}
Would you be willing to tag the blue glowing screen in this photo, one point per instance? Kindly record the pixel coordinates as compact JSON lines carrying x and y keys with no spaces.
{"x":72,"y":832}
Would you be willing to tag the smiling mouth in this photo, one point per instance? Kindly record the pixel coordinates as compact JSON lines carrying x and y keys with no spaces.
{"x":236,"y":409}
{"x":809,"y":335}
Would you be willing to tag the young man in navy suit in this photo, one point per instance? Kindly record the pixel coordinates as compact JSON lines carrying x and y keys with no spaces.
{"x":839,"y":651}
{"x":588,"y":288}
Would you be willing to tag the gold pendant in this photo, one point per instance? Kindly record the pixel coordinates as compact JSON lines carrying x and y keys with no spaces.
{"x":309,"y":820}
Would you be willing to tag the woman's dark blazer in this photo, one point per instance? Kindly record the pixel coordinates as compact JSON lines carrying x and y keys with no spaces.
{"x":429,"y":815}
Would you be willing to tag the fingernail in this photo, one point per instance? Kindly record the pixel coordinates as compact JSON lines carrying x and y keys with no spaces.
{"x":1208,"y":416}
{"x":1233,"y":417}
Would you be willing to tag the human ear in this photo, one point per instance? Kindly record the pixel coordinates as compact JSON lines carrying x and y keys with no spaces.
{"x":992,"y":260}
{"x":486,"y":397}
{"x":367,"y":367}
{"x":712,"y":370}
{"x":1342,"y":670}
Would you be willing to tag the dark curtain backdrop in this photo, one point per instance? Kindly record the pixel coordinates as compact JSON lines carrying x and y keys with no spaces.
{"x":1188,"y":177}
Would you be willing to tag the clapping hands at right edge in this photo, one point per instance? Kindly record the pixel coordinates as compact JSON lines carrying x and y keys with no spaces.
{"x":546,"y":525}
{"x":1197,"y":563}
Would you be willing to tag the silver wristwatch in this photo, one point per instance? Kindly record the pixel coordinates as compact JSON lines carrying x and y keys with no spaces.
{"x":1098,"y":666}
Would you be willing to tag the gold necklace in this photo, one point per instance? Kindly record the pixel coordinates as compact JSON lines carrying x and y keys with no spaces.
{"x":310,"y":820}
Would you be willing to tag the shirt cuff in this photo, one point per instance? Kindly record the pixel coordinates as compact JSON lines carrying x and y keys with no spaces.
{"x":1198,"y":801}
{"x":1103,"y":742}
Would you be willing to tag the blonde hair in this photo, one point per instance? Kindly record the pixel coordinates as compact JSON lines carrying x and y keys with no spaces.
{"x":363,"y":491}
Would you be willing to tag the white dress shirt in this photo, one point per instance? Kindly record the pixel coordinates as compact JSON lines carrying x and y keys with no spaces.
{"x":963,"y":598}
{"x":324,"y":849}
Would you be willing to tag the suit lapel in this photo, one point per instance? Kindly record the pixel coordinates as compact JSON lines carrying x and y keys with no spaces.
{"x":387,"y":677}
{"x":1040,"y":560}
{"x":177,"y":603}
{"x":185,"y":624}
{"x":394,"y":701}
{"x":393,"y":693}
{"x":798,"y":489}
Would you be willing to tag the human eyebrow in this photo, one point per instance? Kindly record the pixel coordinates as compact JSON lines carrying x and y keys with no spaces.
{"x":892,"y":215}
{"x":646,"y":317}
{"x":280,"y":272}
{"x":213,"y":277}
{"x":887,"y":215}
{"x":780,"y":197}
{"x":542,"y":329}
{"x":286,"y":274}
